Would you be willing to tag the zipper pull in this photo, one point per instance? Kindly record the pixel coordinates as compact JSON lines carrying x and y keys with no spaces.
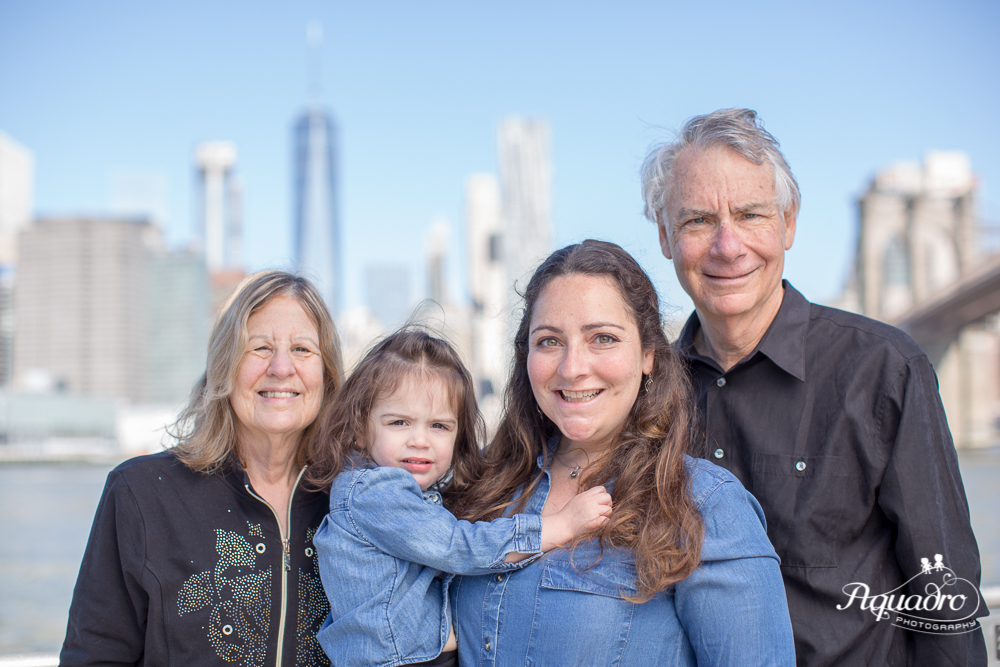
{"x":287,"y":554}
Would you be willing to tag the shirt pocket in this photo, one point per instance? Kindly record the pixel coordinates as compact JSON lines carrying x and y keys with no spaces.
{"x":803,"y":500}
{"x":582,"y":612}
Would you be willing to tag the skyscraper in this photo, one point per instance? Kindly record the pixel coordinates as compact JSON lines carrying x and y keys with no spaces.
{"x":17,"y":179}
{"x":526,"y":183}
{"x":17,"y":176}
{"x":317,"y":233}
{"x":220,"y":205}
{"x":488,"y":285}
{"x":80,"y":300}
{"x":317,"y":225}
{"x":103,"y":309}
{"x":509,"y":232}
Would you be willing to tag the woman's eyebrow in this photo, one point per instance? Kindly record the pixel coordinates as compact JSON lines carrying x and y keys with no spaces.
{"x":602,"y":325}
{"x":585,"y":327}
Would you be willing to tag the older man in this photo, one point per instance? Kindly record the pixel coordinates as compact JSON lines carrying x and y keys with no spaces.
{"x":831,"y":420}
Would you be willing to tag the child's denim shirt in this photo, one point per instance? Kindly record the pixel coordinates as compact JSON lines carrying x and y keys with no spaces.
{"x":381,"y":549}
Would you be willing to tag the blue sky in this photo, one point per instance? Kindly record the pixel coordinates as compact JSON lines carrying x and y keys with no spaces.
{"x":107,"y":87}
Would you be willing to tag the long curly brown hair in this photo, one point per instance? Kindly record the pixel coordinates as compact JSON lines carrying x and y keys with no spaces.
{"x":654,"y":515}
{"x":346,"y":427}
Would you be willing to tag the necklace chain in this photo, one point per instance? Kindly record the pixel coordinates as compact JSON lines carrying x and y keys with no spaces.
{"x":574,"y":470}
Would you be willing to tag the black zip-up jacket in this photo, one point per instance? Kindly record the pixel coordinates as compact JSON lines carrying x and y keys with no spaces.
{"x":188,"y":569}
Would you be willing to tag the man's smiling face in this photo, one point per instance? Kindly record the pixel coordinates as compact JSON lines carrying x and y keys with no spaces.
{"x":725,"y":234}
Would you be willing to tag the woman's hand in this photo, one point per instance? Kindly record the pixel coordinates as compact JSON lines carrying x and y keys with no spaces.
{"x":584,"y":512}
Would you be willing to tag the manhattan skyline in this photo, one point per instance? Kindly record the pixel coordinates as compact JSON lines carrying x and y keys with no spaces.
{"x":95,"y":89}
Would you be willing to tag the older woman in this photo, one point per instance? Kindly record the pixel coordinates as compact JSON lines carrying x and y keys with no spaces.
{"x":683,"y":574}
{"x":202,"y":554}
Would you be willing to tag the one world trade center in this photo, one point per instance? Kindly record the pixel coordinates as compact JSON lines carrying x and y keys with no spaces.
{"x":317,"y":226}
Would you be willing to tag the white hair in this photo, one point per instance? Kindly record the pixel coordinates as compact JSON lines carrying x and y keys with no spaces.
{"x":738,"y":129}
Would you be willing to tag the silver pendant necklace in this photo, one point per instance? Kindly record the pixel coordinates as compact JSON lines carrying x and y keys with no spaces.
{"x":574,"y":471}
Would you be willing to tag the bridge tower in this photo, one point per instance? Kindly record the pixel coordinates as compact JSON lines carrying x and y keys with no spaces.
{"x":917,"y":238}
{"x":917,"y":233}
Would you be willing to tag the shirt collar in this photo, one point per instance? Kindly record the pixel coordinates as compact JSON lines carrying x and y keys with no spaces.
{"x":551,"y":445}
{"x":784,"y":342}
{"x":431,"y":496}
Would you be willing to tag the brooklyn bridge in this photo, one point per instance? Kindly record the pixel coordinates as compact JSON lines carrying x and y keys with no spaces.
{"x":925,"y":262}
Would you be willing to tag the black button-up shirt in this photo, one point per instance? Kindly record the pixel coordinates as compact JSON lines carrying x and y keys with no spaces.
{"x":834,"y":423}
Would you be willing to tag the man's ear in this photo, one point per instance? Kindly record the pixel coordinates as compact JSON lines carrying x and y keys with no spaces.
{"x":790,"y":217}
{"x":664,"y":240}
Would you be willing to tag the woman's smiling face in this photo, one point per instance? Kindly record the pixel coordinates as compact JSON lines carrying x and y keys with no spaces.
{"x":279,"y":383}
{"x":585,"y":358}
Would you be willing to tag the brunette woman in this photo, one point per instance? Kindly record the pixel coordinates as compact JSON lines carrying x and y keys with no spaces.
{"x":683,"y":574}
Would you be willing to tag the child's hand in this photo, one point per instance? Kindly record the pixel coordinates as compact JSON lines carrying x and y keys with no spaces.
{"x":586,"y":511}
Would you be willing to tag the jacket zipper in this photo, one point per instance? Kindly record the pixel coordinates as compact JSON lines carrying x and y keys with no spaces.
{"x":286,"y":559}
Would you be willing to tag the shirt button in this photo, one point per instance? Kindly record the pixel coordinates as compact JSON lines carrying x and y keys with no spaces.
{"x":721,"y":382}
{"x":488,"y":645}
{"x":800,"y":466}
{"x":499,"y":577}
{"x":718,"y":453}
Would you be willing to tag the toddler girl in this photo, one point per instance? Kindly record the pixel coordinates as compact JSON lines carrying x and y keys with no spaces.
{"x":405,"y":422}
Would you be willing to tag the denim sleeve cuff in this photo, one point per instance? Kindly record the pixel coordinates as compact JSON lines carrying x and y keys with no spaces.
{"x":527,"y":533}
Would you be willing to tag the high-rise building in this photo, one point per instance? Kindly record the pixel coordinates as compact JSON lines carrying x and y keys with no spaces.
{"x":317,"y":230}
{"x":526,"y":185}
{"x":439,"y":313}
{"x":509,"y":232}
{"x":437,"y":262}
{"x":220,"y":205}
{"x":17,"y":177}
{"x":487,"y":282}
{"x":318,"y":253}
{"x":180,"y":318}
{"x":17,"y":183}
{"x":103,"y":309}
{"x":8,"y":272}
{"x":387,"y":293}
{"x":79,"y":301}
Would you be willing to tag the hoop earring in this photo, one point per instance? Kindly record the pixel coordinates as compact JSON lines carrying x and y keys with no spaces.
{"x":648,"y":383}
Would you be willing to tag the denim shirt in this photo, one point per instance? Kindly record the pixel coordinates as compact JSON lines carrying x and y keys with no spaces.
{"x":381,"y":550}
{"x":730,"y":611}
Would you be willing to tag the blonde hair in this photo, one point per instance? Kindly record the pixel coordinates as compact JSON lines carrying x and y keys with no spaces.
{"x":206,"y":429}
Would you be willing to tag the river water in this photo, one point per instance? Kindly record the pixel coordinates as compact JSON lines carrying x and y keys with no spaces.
{"x":46,"y":511}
